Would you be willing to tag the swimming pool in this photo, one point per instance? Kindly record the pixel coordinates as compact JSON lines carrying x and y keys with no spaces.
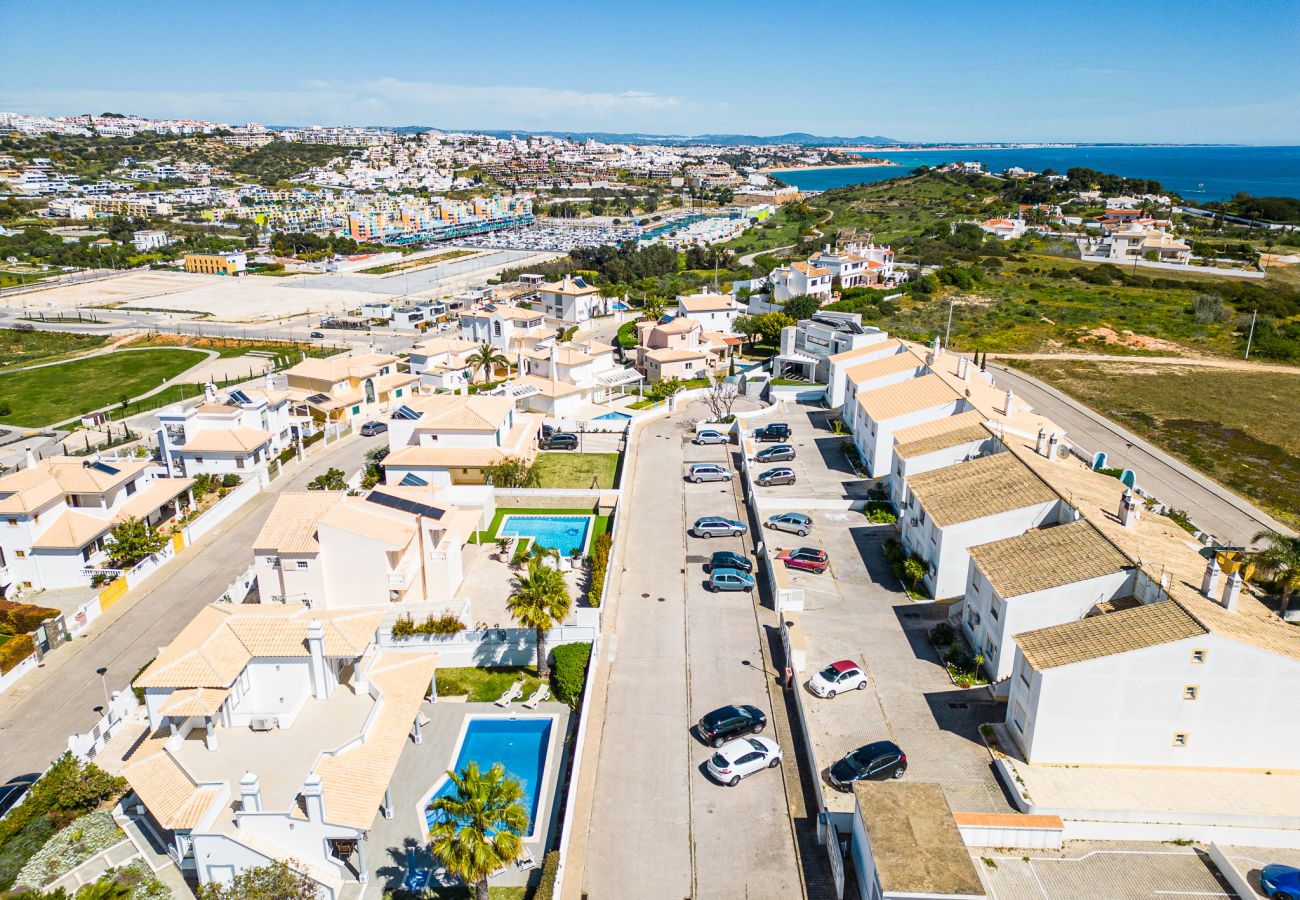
{"x":611,"y":415}
{"x":565,"y":534}
{"x":619,"y":306}
{"x":520,"y":745}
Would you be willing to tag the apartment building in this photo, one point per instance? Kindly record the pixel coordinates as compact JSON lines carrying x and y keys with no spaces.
{"x":231,"y":263}
{"x":238,"y":433}
{"x":151,"y":239}
{"x":714,"y":312}
{"x":442,"y":439}
{"x":572,"y":300}
{"x":342,"y":388}
{"x":395,"y":545}
{"x":274,"y":734}
{"x":56,"y":515}
{"x":808,"y":347}
{"x":507,"y":328}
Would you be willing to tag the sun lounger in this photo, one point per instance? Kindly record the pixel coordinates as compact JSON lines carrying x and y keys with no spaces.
{"x":524,"y":861}
{"x":542,"y":693}
{"x":513,"y":693}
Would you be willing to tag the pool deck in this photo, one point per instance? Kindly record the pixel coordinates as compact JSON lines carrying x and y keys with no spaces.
{"x":489,"y":582}
{"x":422,"y":766}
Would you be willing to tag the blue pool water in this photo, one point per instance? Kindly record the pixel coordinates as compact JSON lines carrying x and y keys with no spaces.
{"x":563,"y":533}
{"x":518,"y":744}
{"x":620,"y":306}
{"x":612,"y":415}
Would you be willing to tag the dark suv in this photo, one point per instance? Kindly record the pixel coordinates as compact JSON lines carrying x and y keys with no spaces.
{"x":874,"y":762}
{"x":777,"y":431}
{"x":722,"y":725}
{"x":561,"y":440}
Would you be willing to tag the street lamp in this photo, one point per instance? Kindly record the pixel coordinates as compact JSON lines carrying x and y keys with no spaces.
{"x":102,"y":671}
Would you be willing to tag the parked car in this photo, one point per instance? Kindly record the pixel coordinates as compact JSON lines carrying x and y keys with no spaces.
{"x":838,"y":677}
{"x":809,"y":559}
{"x":732,"y":762}
{"x":1280,"y":882}
{"x":776,"y":431}
{"x":780,"y":475}
{"x":717,"y":526}
{"x":709,"y":472}
{"x":795,"y":523}
{"x":14,"y":790}
{"x":370,"y":429}
{"x":779,"y":453}
{"x":561,"y":440}
{"x":25,"y":327}
{"x":730,"y":580}
{"x":709,"y":436}
{"x":318,"y":334}
{"x":730,"y":722}
{"x":727,"y":559}
{"x":874,"y":762}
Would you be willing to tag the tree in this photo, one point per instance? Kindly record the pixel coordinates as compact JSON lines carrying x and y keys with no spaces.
{"x":503,"y":547}
{"x":487,"y":358}
{"x":802,"y":307}
{"x":653,"y":306}
{"x":511,"y":472}
{"x":720,"y":398}
{"x":747,"y":326}
{"x":274,"y":882}
{"x":332,"y":480}
{"x":666,"y":388}
{"x":132,"y":541}
{"x":540,"y":602}
{"x":476,"y":829}
{"x":771,"y":324}
{"x":1281,"y":558}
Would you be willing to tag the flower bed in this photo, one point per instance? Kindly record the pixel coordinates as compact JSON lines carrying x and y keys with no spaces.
{"x":69,"y":848}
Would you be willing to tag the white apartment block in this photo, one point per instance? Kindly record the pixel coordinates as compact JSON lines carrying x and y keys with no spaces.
{"x":572,"y":300}
{"x":237,"y":434}
{"x":809,"y":347}
{"x":442,"y":439}
{"x":1135,"y":241}
{"x":714,"y":312}
{"x":509,"y":329}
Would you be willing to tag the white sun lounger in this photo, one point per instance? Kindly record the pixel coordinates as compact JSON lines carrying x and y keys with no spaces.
{"x":513,"y":693}
{"x":524,"y":861}
{"x":542,"y":693}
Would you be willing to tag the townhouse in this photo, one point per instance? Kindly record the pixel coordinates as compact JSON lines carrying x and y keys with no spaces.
{"x":679,"y":348}
{"x":936,"y":445}
{"x":238,"y":434}
{"x":330,"y":551}
{"x":873,"y":416}
{"x":507,"y":328}
{"x":714,"y":312}
{"x":950,"y":510}
{"x":56,"y":515}
{"x":559,"y":381}
{"x":442,"y":439}
{"x":342,"y":388}
{"x":572,"y":300}
{"x":274,"y":735}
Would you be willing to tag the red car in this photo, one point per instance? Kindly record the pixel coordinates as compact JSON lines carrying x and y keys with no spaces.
{"x":808,"y":558}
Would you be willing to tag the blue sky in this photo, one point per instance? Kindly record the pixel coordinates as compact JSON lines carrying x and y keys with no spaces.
{"x":1195,"y":71}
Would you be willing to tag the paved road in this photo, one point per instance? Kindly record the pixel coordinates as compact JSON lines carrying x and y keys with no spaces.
{"x":658,"y":827}
{"x":1214,"y":508}
{"x":40,"y":711}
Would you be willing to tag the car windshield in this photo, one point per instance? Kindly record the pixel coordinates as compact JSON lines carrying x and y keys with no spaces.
{"x":720,"y":761}
{"x":858,"y":761}
{"x":756,"y":745}
{"x":830,"y":673}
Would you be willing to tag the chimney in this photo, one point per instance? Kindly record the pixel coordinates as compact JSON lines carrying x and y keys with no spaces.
{"x":29,"y":459}
{"x":826,"y":249}
{"x":1128,"y":509}
{"x":936,"y":346}
{"x":1052,"y":443}
{"x":209,"y":393}
{"x":313,"y":796}
{"x":250,"y":793}
{"x":270,"y":381}
{"x":554,"y":371}
{"x":1009,"y":407}
{"x":1210,"y":580}
{"x":316,"y":647}
{"x":1232,"y":591}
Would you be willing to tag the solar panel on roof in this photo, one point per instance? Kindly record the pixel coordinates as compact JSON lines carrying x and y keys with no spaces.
{"x":402,"y":503}
{"x":318,"y":398}
{"x":405,"y":412}
{"x":239,"y":397}
{"x":105,"y":467}
{"x":410,"y":480}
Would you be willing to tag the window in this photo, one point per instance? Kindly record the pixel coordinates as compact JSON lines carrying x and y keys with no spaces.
{"x":198,"y":459}
{"x":302,"y":563}
{"x":239,"y":463}
{"x":1198,"y":656}
{"x":12,"y":521}
{"x":1018,"y":718}
{"x":356,"y":410}
{"x":496,"y":329}
{"x":21,"y":554}
{"x":1191,"y":692}
{"x":1024,"y":674}
{"x":993,"y":610}
{"x":1180,"y":739}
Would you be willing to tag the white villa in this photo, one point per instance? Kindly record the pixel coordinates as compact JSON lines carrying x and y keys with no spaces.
{"x":342,"y":388}
{"x":238,"y":434}
{"x":1135,"y":240}
{"x":809,"y":347}
{"x":572,"y":300}
{"x":507,"y":328}
{"x":443,"y":362}
{"x":559,"y":381}
{"x":442,"y":439}
{"x":714,"y":312}
{"x":857,"y":264}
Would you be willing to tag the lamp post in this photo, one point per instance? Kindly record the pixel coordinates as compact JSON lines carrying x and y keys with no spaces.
{"x":102,"y":671}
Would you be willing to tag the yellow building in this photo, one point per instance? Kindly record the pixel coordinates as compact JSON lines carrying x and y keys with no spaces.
{"x":234,"y":263}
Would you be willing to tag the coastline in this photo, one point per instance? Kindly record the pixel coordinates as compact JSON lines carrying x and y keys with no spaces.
{"x":874,"y":164}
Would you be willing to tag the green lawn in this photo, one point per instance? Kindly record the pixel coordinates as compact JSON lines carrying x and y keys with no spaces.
{"x":484,"y":685}
{"x":19,"y":348}
{"x":38,"y":397}
{"x":490,"y":534}
{"x":561,"y":469}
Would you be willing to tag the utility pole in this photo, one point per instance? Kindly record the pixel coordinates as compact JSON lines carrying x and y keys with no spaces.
{"x":947,"y":332}
{"x":1251,"y":337}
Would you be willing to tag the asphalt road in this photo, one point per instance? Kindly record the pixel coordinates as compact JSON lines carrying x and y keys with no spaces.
{"x":1230,"y":518}
{"x":60,"y":698}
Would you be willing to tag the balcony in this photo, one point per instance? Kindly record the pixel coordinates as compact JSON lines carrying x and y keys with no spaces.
{"x":401,"y":580}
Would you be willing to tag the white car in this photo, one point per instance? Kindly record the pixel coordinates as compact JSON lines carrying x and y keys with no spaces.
{"x":838,"y":677}
{"x":743,"y":756}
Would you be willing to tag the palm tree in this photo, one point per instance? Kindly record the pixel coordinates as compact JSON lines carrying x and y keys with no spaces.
{"x":1281,"y":557}
{"x":487,"y":358}
{"x":540,"y":601}
{"x":476,"y":829}
{"x":653,"y":305}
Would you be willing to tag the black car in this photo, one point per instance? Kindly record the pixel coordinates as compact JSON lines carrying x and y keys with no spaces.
{"x":318,"y":334}
{"x":13,"y":792}
{"x":722,"y":725}
{"x":726,"y":559}
{"x":874,"y":762}
{"x":779,"y":453}
{"x":560,"y":440}
{"x":776,"y":431}
{"x":370,"y":429}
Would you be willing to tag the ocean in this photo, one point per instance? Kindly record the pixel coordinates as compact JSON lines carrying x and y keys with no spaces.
{"x":1195,"y":173}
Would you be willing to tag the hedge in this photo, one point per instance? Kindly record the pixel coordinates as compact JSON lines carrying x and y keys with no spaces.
{"x":569,"y":672}
{"x":550,"y":869}
{"x":20,"y":618}
{"x":600,"y":547}
{"x":15,"y":650}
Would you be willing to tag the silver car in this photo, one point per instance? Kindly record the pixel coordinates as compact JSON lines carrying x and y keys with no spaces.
{"x":795,"y":523}
{"x":780,"y":475}
{"x":709,"y":436}
{"x":717,"y":526}
{"x":709,"y":472}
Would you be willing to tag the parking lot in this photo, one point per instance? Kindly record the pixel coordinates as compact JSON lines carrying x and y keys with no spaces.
{"x":1085,"y":870}
{"x":820,"y":467}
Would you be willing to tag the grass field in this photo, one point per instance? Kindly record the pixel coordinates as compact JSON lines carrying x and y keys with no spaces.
{"x":38,"y":397}
{"x":575,"y":470}
{"x":1240,"y":428}
{"x":19,"y":348}
{"x":483,"y":685}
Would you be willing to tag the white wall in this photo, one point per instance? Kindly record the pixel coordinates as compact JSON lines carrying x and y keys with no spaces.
{"x":947,"y":549}
{"x":278,"y":687}
{"x":939,"y":459}
{"x":877,"y":445}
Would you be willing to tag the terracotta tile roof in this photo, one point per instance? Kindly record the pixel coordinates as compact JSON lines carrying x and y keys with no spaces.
{"x":674,"y":354}
{"x":146,"y":502}
{"x":943,"y":440}
{"x":899,"y":361}
{"x":1007,"y":820}
{"x":679,"y":325}
{"x":450,"y":345}
{"x":226,"y":440}
{"x":519,"y":314}
{"x":937,"y":426}
{"x":698,"y":303}
{"x":163,"y":785}
{"x":291,"y":527}
{"x":568,"y":287}
{"x":1092,"y":638}
{"x":360,"y":518}
{"x":194,"y":702}
{"x":809,"y":269}
{"x":72,"y":475}
{"x":846,"y":355}
{"x":564,"y":356}
{"x":915,"y":843}
{"x":1047,"y":558}
{"x":979,"y":488}
{"x":71,"y":531}
{"x":476,"y":412}
{"x":341,"y":368}
{"x":908,"y":397}
{"x":549,"y":388}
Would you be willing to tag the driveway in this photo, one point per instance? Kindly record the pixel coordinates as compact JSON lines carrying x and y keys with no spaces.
{"x":820,"y":467}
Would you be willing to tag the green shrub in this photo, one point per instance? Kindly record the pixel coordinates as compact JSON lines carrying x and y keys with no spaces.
{"x":893,"y":551}
{"x":20,"y":618}
{"x":231,"y":480}
{"x":15,"y":650}
{"x":521,"y":552}
{"x":446,"y":623}
{"x":550,"y":868}
{"x":569,"y":672}
{"x":880,"y":512}
{"x":600,"y":547}
{"x":942,"y":635}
